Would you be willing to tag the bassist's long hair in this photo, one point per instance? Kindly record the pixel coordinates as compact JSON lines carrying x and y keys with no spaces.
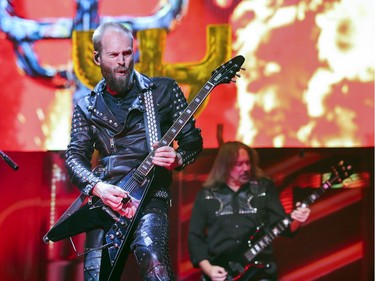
{"x":225,"y":160}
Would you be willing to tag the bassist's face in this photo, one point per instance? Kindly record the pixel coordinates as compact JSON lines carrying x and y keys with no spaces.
{"x":240,"y":173}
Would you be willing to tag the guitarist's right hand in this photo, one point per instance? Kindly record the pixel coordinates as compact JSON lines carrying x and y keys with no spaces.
{"x":112,"y":196}
{"x":214,"y":272}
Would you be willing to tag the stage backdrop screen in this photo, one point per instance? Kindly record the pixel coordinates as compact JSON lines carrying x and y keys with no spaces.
{"x":308,"y":78}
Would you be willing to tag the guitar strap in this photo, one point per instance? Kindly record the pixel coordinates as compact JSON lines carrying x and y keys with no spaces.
{"x":151,"y":119}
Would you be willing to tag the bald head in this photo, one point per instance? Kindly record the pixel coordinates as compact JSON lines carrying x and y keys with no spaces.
{"x":101,"y":30}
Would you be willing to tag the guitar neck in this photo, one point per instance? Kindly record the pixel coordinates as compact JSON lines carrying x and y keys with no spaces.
{"x":318,"y":193}
{"x":260,"y":244}
{"x":223,"y":74}
{"x":146,"y":166}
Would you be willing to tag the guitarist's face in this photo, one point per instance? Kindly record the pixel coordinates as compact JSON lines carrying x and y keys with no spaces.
{"x":116,"y":60}
{"x":240,"y":173}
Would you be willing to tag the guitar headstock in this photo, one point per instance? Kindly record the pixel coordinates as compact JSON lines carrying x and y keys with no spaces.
{"x":340,"y":172}
{"x":227,"y":71}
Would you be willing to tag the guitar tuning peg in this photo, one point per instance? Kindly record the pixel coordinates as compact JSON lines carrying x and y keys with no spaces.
{"x":242,"y":68}
{"x":239,"y":76}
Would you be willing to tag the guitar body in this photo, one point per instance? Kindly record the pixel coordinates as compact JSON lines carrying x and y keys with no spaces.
{"x":240,"y":268}
{"x":117,"y":229}
{"x":237,"y":272}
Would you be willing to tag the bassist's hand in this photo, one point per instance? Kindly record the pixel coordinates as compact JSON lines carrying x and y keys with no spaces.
{"x":214,"y":272}
{"x":300,"y":215}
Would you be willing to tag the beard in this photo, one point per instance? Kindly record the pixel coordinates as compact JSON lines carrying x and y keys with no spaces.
{"x":244,"y":178}
{"x":122,"y":84}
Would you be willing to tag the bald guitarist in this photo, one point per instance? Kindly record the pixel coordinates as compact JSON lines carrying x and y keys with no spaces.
{"x":123,"y":119}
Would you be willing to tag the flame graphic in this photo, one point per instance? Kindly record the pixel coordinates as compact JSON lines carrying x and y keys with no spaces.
{"x":310,"y":72}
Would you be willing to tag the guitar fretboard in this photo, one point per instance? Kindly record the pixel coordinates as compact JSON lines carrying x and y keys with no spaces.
{"x":223,"y":74}
{"x":146,"y":166}
{"x":260,"y":244}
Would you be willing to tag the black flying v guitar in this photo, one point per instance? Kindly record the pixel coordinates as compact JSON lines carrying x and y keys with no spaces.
{"x":240,"y":262}
{"x":96,"y":215}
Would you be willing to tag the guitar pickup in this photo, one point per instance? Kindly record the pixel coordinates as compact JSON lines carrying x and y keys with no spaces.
{"x":111,"y":213}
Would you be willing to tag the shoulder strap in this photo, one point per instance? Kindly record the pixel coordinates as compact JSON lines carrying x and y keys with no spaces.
{"x":150,"y":116}
{"x":151,"y":119}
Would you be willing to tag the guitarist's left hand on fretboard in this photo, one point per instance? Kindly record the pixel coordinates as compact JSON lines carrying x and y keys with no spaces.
{"x":166,"y":157}
{"x":301,"y":213}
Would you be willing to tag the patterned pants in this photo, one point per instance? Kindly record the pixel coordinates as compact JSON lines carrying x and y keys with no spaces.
{"x":150,"y":247}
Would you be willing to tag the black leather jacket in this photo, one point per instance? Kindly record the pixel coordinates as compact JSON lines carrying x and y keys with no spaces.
{"x":123,"y":147}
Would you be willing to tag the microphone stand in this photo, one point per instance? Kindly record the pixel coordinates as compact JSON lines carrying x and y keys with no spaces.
{"x":9,"y":161}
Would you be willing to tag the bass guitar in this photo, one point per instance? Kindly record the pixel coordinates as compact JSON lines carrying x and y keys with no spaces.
{"x":241,"y":262}
{"x":117,"y":229}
